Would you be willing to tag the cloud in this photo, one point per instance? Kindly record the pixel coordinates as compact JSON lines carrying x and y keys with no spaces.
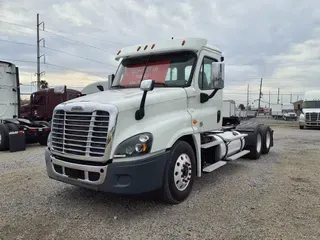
{"x":276,"y":40}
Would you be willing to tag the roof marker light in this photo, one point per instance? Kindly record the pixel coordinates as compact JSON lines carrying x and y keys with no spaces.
{"x":183,"y":42}
{"x":153,"y":45}
{"x":119,"y":52}
{"x":145,"y":47}
{"x":139,"y":48}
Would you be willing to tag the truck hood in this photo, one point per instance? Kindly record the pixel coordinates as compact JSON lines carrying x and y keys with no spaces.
{"x":130,"y":98}
{"x":310,"y":110}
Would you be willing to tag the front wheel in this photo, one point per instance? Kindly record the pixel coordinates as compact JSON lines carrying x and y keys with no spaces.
{"x":179,"y":174}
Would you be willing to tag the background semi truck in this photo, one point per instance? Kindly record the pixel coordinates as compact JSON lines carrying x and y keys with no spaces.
{"x":157,"y":128}
{"x":15,"y":118}
{"x":42,"y":103}
{"x":310,"y":116}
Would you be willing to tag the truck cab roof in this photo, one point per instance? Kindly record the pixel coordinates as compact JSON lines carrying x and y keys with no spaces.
{"x":188,"y":44}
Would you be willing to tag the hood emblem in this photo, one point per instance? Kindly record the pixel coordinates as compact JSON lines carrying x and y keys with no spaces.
{"x":77,"y":108}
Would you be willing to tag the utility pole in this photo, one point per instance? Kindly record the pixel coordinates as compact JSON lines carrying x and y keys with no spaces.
{"x":248,"y":97}
{"x":260,"y":95}
{"x":278,"y":100}
{"x":291,"y":98}
{"x":269,"y":100}
{"x":39,"y":73}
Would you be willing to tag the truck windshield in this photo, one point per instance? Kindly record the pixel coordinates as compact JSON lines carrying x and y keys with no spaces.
{"x":311,"y":104}
{"x":167,"y":70}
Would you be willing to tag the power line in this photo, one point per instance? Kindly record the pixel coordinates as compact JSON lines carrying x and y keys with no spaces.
{"x":16,"y":24}
{"x":61,"y":32}
{"x":81,"y":43}
{"x":74,"y":55}
{"x":59,"y":51}
{"x":20,"y":43}
{"x":72,"y":69}
{"x":53,"y":65}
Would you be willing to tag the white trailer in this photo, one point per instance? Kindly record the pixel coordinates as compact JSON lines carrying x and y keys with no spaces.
{"x":10,"y":110}
{"x":229,"y":108}
{"x":95,"y":87}
{"x":310,"y":116}
{"x":276,"y":111}
{"x":158,"y":127}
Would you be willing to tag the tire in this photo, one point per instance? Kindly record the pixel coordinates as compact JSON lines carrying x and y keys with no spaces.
{"x":253,"y":142}
{"x":4,"y":137}
{"x":182,"y":155}
{"x":267,"y":140}
{"x":301,"y":127}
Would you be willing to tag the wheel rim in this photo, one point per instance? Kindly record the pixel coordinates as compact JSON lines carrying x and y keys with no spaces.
{"x":182,"y":172}
{"x":268,"y":139}
{"x":258,"y":142}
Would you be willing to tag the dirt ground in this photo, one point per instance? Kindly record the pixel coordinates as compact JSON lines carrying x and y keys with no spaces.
{"x":275,"y":197}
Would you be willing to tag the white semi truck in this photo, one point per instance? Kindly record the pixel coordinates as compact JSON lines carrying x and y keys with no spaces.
{"x":310,"y":116}
{"x":10,"y":119}
{"x":158,"y":126}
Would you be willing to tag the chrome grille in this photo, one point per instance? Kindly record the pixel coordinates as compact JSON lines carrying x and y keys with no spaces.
{"x":312,"y":117}
{"x":80,"y":133}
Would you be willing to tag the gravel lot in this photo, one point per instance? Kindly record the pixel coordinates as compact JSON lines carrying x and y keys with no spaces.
{"x":276,"y":197}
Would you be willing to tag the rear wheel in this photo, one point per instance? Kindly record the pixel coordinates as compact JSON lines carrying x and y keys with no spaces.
{"x":179,"y":174}
{"x":266,"y":139}
{"x":255,"y":147}
{"x":4,"y":137}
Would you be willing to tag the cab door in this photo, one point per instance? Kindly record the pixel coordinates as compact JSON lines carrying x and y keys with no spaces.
{"x":206,"y":115}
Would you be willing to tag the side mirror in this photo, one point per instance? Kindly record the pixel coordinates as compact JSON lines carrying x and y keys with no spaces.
{"x":60,"y":89}
{"x":217,"y":78}
{"x":147,"y":85}
{"x":110,"y":80}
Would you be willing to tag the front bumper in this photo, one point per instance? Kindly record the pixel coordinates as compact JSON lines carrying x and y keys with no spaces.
{"x":311,"y":124}
{"x":121,"y":177}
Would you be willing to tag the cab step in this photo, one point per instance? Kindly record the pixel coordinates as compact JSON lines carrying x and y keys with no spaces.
{"x":238,"y":155}
{"x":214,"y":166}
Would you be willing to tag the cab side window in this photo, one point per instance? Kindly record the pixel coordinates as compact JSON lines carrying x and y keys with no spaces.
{"x":205,"y":81}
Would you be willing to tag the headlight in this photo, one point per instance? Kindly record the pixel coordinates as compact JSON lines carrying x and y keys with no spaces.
{"x":134,"y":146}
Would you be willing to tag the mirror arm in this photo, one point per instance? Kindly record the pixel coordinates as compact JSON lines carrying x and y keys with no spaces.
{"x":140,"y":112}
{"x":205,"y":97}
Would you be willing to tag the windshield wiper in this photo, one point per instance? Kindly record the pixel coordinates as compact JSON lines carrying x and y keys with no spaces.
{"x":118,"y":86}
{"x":161,"y":84}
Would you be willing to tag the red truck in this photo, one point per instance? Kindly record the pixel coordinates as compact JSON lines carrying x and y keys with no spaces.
{"x":44,"y":101}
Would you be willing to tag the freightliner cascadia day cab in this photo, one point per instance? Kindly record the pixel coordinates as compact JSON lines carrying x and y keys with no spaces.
{"x":156,"y":128}
{"x":310,"y":116}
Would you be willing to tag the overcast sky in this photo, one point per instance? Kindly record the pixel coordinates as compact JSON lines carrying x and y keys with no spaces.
{"x":278,"y":40}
